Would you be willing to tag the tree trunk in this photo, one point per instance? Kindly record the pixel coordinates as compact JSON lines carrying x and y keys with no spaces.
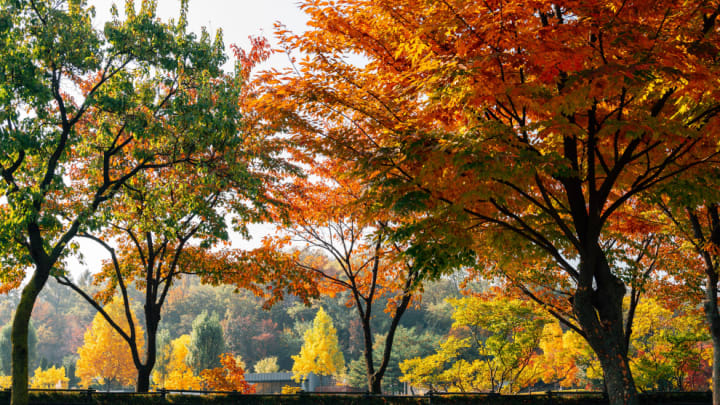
{"x":19,"y":335}
{"x":375,"y":384}
{"x":599,"y":313}
{"x":713,"y":318}
{"x":143,"y":379}
{"x":152,"y":320}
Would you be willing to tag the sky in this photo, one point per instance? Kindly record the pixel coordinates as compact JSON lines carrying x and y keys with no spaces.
{"x":238,"y":19}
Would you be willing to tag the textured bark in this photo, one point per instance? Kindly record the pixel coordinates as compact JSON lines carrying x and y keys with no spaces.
{"x":599,"y":312}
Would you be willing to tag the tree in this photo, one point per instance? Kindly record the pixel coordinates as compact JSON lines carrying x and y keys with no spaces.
{"x":6,"y":347}
{"x":179,"y":376}
{"x":567,"y":360}
{"x":229,"y":377}
{"x":668,"y":350}
{"x":147,"y":86}
{"x":168,"y":221}
{"x":348,"y":248}
{"x":104,"y":357}
{"x":493,"y":348}
{"x":522,"y":126}
{"x":267,"y":365}
{"x":320,"y":353}
{"x":164,"y":353}
{"x":413,"y":345}
{"x":50,"y":378}
{"x":207,"y":343}
{"x":690,"y":207}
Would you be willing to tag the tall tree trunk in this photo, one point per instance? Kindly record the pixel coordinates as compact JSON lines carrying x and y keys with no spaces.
{"x":599,"y":313}
{"x":374,"y":384}
{"x":713,"y":318}
{"x":152,"y":320}
{"x":19,"y":334}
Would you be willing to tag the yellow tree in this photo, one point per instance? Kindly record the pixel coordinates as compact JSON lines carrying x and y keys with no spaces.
{"x":50,"y":378}
{"x":104,"y":356}
{"x":320,"y":353}
{"x":179,"y":374}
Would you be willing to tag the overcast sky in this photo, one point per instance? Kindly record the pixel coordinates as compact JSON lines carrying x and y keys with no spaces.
{"x":238,"y":19}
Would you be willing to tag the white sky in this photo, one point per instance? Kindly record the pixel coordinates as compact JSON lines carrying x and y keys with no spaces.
{"x":238,"y":19}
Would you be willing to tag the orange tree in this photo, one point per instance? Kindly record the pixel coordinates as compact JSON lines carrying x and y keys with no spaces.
{"x":690,"y":208}
{"x":229,"y":377}
{"x":344,"y":249}
{"x":83,"y":112}
{"x":524,"y":123}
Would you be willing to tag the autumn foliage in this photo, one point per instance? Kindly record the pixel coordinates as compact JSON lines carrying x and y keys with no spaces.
{"x":229,"y":377}
{"x":104,"y":355}
{"x":526,"y":127}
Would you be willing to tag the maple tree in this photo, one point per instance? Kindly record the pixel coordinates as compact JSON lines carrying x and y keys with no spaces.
{"x":528,"y":127}
{"x":105,"y":358}
{"x":668,"y":350}
{"x":229,"y":377}
{"x":345,"y":248}
{"x":567,"y":360}
{"x":689,"y":210}
{"x":320,"y":353}
{"x":83,"y":112}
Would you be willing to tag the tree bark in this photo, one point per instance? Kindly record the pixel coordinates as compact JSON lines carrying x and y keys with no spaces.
{"x":142,"y":383}
{"x":599,"y":313}
{"x":712,"y":315}
{"x":374,"y":384}
{"x":19,"y":334}
{"x":152,"y":320}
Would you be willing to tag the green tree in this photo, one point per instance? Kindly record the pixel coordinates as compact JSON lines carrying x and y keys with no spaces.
{"x":82,"y":112}
{"x":320,"y":353}
{"x":6,"y":347}
{"x":206,"y":343}
{"x":164,"y":351}
{"x":493,"y":348}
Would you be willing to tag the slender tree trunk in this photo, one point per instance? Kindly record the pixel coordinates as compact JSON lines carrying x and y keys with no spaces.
{"x":389,"y":338}
{"x":19,"y":335}
{"x":152,"y":320}
{"x":599,"y":313}
{"x":373,"y":382}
